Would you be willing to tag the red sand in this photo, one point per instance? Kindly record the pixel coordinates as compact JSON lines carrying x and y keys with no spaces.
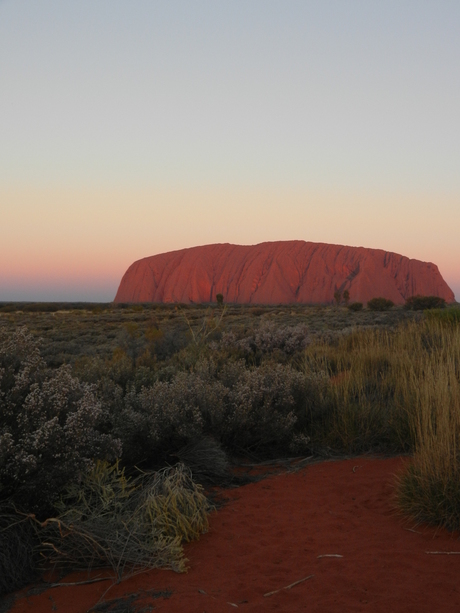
{"x":270,"y":535}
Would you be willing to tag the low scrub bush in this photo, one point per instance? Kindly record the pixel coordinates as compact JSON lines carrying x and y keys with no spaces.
{"x":161,"y":419}
{"x":421,"y":303}
{"x":380,"y":304}
{"x":48,"y":425}
{"x":267,"y":338}
{"x":356,"y":306}
{"x":262,"y":410}
{"x":244,"y":409}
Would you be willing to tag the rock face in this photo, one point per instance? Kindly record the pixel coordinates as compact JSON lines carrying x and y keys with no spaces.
{"x":279,"y":273}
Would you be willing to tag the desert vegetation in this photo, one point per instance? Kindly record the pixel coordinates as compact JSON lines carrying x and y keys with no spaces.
{"x":116,"y":420}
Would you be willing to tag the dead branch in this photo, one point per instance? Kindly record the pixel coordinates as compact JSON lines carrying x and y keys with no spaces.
{"x":288,"y":587}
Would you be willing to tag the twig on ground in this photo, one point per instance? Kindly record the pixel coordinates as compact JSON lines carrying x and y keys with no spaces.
{"x":330,"y":555}
{"x":411,"y":530}
{"x":277,"y":461}
{"x":80,"y":582}
{"x":444,"y":553}
{"x":288,"y":587}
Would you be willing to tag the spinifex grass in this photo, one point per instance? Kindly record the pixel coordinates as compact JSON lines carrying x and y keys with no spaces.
{"x":108,"y":520}
{"x":398,"y":390}
{"x":430,"y":489}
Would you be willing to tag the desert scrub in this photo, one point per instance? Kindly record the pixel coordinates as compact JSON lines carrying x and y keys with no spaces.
{"x":127,"y":524}
{"x":49,"y":425}
{"x":161,"y":419}
{"x":266,"y":338}
{"x":370,"y":403}
{"x":380,"y":304}
{"x":422,"y":303}
{"x":449,"y":316}
{"x":262,"y":409}
{"x":429,"y":491}
{"x":18,"y":559}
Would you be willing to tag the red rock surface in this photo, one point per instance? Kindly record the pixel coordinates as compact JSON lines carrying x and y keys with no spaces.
{"x":279,"y":273}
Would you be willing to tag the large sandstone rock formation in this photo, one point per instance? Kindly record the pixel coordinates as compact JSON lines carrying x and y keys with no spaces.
{"x":279,"y":273}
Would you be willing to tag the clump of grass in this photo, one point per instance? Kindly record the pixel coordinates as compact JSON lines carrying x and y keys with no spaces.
{"x":17,"y":556}
{"x":375,"y":376}
{"x":449,"y":315}
{"x":400,"y":390}
{"x":429,"y":491}
{"x":362,"y":407}
{"x":207,"y":461}
{"x":126,"y":524}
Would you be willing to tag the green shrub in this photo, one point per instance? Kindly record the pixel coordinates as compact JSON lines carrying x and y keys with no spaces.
{"x":449,"y":315}
{"x":421,"y":303}
{"x":379,"y":304}
{"x":356,"y":306}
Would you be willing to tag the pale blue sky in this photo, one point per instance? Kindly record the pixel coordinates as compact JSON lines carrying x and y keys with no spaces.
{"x":356,"y":98}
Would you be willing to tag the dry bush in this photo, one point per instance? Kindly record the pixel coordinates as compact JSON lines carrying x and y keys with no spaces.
{"x":17,"y":551}
{"x":268,"y":337}
{"x":262,"y":409}
{"x":207,"y":461}
{"x":125,"y":524}
{"x":162,"y":418}
{"x":49,"y":425}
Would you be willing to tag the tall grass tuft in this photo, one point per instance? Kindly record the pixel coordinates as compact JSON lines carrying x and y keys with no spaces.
{"x":398,"y":391}
{"x":125,"y":524}
{"x":429,"y":491}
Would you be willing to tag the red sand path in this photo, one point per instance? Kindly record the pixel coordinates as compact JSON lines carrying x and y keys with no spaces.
{"x":270,"y":535}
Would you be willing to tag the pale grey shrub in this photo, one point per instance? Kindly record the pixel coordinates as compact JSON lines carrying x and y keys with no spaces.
{"x":48,"y":424}
{"x":162,"y":418}
{"x":262,"y":407}
{"x":268,"y":337}
{"x":245,"y":409}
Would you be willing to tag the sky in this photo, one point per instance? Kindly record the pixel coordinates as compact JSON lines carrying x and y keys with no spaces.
{"x":133,"y":127}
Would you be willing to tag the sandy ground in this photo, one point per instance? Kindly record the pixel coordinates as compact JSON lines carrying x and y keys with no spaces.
{"x":333,"y":522}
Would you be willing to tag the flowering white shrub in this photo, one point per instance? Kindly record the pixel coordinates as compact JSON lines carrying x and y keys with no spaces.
{"x":245,"y":409}
{"x":161,"y":418}
{"x":269,"y":336}
{"x":48,"y":424}
{"x":262,"y":407}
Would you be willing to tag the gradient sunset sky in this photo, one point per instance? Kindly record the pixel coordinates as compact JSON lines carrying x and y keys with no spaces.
{"x":133,"y":127}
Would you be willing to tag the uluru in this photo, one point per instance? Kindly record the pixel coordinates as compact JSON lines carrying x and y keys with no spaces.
{"x":281,"y":272}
